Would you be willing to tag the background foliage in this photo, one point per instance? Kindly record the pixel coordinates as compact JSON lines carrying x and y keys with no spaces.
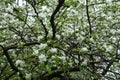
{"x":59,"y":39}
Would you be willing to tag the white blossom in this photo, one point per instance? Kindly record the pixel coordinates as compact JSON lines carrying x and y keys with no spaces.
{"x":110,"y":13}
{"x":58,"y":36}
{"x":43,"y":15}
{"x":62,"y":58}
{"x":84,"y":49}
{"x":20,"y":2}
{"x":108,"y":47}
{"x":119,"y":51}
{"x":14,"y":36}
{"x":62,"y":33}
{"x":103,"y":14}
{"x":85,"y":2}
{"x":9,"y":8}
{"x":35,"y":52}
{"x":40,"y":37}
{"x":76,"y":61}
{"x":42,"y":58}
{"x":80,"y":38}
{"x":53,"y":50}
{"x":118,"y":31}
{"x":84,"y":62}
{"x":44,"y":8}
{"x":83,"y":33}
{"x":114,"y":39}
{"x":112,"y":31}
{"x":91,"y":39}
{"x":2,"y":64}
{"x":109,"y":1}
{"x":42,"y":46}
{"x":28,"y":75}
{"x":20,"y":63}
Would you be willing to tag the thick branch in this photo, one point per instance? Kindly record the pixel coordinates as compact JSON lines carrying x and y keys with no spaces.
{"x":52,"y":19}
{"x":26,"y":44}
{"x":11,"y":62}
{"x":57,"y":74}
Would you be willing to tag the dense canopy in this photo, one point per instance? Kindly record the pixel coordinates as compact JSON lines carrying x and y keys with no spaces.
{"x":59,"y":39}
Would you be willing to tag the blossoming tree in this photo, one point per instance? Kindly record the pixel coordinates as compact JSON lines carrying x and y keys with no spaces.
{"x":59,"y":39}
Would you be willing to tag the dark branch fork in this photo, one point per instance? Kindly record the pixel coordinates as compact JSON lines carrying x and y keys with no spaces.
{"x":10,"y":61}
{"x":12,"y":65}
{"x":52,"y":19}
{"x":43,"y":25}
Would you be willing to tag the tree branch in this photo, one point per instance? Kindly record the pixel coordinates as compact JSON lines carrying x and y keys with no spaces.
{"x":56,"y":74}
{"x":26,"y":44}
{"x":44,"y":27}
{"x":107,"y":68}
{"x":88,"y":18}
{"x":5,"y":51}
{"x":52,"y":19}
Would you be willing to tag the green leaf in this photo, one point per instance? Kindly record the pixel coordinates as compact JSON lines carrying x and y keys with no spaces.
{"x":48,"y":67}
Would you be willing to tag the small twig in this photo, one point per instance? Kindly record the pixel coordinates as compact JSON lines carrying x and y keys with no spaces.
{"x":107,"y":68}
{"x":7,"y":78}
{"x":3,"y":69}
{"x":88,"y":18}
